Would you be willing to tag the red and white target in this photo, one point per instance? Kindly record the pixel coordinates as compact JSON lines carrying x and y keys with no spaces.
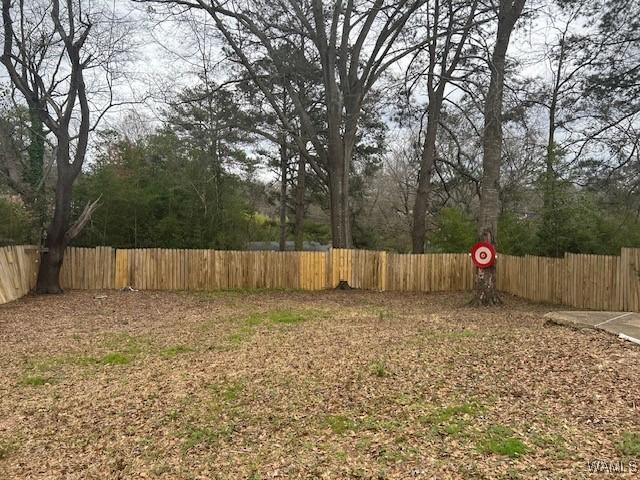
{"x":483,"y":255}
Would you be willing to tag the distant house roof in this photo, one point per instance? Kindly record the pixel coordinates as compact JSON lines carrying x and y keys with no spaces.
{"x":290,"y":246}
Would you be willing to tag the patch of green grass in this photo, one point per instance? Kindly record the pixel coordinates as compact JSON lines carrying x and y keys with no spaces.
{"x":389,"y":455}
{"x":81,"y":360}
{"x":7,"y":447}
{"x":227,"y":392}
{"x":553,"y":445}
{"x":341,"y":456}
{"x":254,"y":475}
{"x":240,"y":337}
{"x":123,"y":348}
{"x":175,"y":350}
{"x":501,"y":440}
{"x":379,"y":368}
{"x":35,"y":380}
{"x":381,"y":313}
{"x":124,"y":342}
{"x":161,"y":469}
{"x":286,"y":316}
{"x":194,"y":436}
{"x":364,"y":444}
{"x":173,"y":415}
{"x":41,"y":365}
{"x":254,"y":319}
{"x":289,"y":317}
{"x":376,"y":424}
{"x":455,"y":428}
{"x":115,"y":358}
{"x":629,"y":444}
{"x":446,"y":414}
{"x":340,"y":424}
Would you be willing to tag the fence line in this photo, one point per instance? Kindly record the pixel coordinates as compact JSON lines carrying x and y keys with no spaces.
{"x":599,"y":282}
{"x":596,"y":282}
{"x":170,"y":269}
{"x":18,"y":271}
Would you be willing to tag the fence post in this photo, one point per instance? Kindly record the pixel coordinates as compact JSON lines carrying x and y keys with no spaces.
{"x":630,"y":279}
{"x":121,"y":271}
{"x":382,"y":271}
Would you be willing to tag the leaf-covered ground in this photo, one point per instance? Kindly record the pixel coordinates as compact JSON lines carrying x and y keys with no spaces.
{"x":237,"y":385}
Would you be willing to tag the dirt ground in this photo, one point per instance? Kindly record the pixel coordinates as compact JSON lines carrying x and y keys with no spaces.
{"x":339,"y":385}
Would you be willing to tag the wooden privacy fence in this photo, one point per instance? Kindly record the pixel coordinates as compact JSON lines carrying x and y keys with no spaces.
{"x":596,"y":282}
{"x":165,"y":269}
{"x":599,"y":282}
{"x":18,"y":272}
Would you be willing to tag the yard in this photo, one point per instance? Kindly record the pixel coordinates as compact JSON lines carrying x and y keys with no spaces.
{"x":238,"y":385}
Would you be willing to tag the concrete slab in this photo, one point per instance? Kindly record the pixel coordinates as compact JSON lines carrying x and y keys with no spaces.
{"x":623,"y":324}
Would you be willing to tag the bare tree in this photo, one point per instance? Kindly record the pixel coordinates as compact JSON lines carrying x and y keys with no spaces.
{"x":49,"y":60}
{"x":354,"y":41}
{"x":509,"y":11}
{"x":448,"y":26}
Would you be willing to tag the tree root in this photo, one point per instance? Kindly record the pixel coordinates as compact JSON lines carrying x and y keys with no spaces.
{"x":486,"y":300}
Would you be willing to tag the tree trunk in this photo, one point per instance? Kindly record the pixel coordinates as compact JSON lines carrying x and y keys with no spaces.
{"x":548,"y":229}
{"x":486,"y":292}
{"x":49,"y":271}
{"x":427,"y":163}
{"x":338,"y":207}
{"x":340,"y":212}
{"x":284,"y":160}
{"x":300,"y":191}
{"x":56,"y":241}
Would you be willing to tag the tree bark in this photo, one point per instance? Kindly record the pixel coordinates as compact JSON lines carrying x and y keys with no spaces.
{"x":284,"y":160}
{"x":339,"y":207}
{"x":486,"y":292}
{"x":339,"y":152}
{"x":427,"y":164}
{"x":56,"y":240}
{"x":300,"y":191}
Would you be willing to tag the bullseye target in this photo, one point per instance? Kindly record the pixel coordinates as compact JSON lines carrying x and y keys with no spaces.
{"x":483,"y":255}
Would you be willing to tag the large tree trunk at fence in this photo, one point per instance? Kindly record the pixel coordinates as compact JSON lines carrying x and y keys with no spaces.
{"x":56,"y":240}
{"x":60,"y":232}
{"x":339,"y":163}
{"x":49,"y":271}
{"x":340,"y":221}
{"x":486,"y":292}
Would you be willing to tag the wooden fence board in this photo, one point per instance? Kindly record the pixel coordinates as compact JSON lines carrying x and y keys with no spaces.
{"x":18,"y":270}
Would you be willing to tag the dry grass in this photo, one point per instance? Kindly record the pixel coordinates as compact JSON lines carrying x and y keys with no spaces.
{"x":307,"y":385}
